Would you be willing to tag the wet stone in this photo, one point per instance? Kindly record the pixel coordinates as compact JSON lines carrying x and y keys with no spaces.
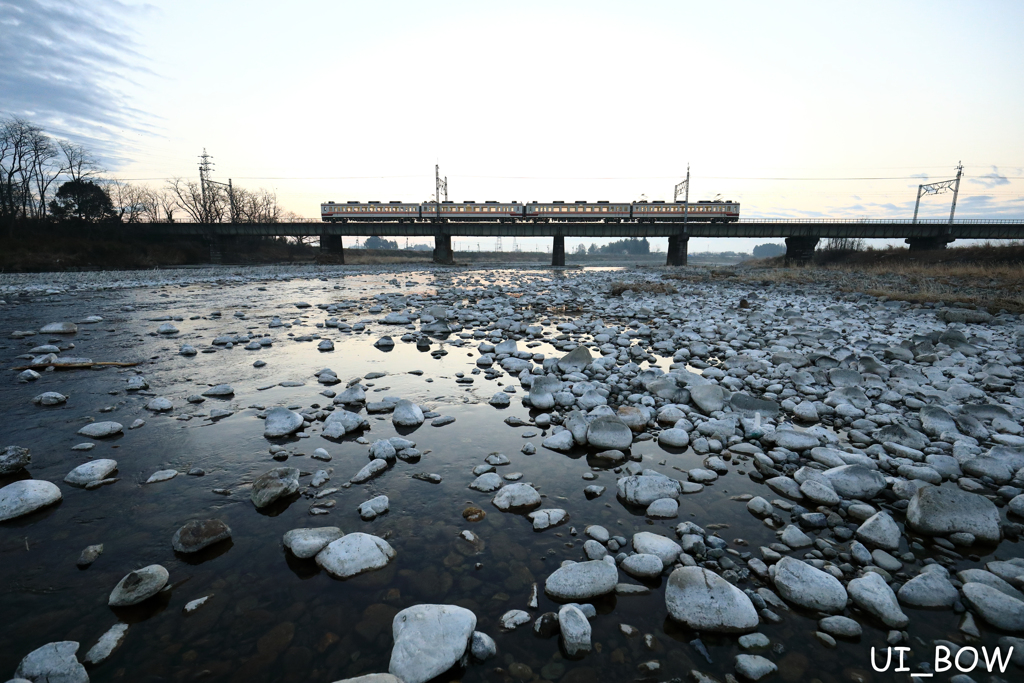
{"x":138,"y":586}
{"x":26,"y":496}
{"x":277,"y":483}
{"x":52,"y":663}
{"x":199,"y":534}
{"x":354,"y":554}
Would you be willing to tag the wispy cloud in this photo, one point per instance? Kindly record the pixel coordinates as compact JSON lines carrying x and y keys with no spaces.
{"x":67,"y":65}
{"x":991,"y":179}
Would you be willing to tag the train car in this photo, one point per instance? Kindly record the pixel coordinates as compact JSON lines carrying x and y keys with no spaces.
{"x":539,"y":212}
{"x":378,"y":212}
{"x":677,"y":212}
{"x":560,"y":212}
{"x":487,"y":212}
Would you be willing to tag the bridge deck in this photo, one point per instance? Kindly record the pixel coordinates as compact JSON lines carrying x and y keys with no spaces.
{"x":764,"y":228}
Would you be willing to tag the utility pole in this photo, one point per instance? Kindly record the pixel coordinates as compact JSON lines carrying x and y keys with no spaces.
{"x":940,"y":187}
{"x":497,"y":243}
{"x":684,"y":189}
{"x":205,"y":168}
{"x":440,"y":188}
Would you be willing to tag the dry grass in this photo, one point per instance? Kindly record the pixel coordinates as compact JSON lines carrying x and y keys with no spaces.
{"x":988,"y":276}
{"x":642,"y":288}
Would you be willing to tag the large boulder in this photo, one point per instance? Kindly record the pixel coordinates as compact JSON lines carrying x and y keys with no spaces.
{"x":576,"y":360}
{"x":707,"y":397}
{"x":429,"y":640}
{"x":872,"y":594}
{"x":940,"y":511}
{"x":407,"y":414}
{"x":808,"y":587}
{"x":14,"y":459}
{"x":582,"y":580}
{"x":25,"y":496}
{"x":306,"y":543}
{"x":138,"y":585}
{"x":995,"y":607}
{"x":609,"y":433}
{"x":704,"y":601}
{"x":354,"y":554}
{"x":855,"y":481}
{"x":641,"y":489}
{"x":516,"y":497}
{"x":199,"y":534}
{"x":277,"y":483}
{"x":52,"y":663}
{"x":341,"y":422}
{"x":281,"y":422}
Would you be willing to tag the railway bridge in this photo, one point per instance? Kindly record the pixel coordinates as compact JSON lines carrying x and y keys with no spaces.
{"x":801,"y":235}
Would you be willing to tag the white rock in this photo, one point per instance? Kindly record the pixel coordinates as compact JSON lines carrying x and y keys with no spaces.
{"x":26,"y":496}
{"x":306,"y":543}
{"x":872,"y":594}
{"x":665,"y":549}
{"x":429,"y":640}
{"x":53,"y":663}
{"x":808,"y":587}
{"x":372,"y":469}
{"x":49,"y":398}
{"x":341,"y":422}
{"x":107,"y":643}
{"x":575,"y":629}
{"x":94,"y":470}
{"x":940,"y":511}
{"x":516,"y":496}
{"x":59,"y":328}
{"x":705,"y":601}
{"x":273,"y":485}
{"x":159,"y":405}
{"x":644,"y":489}
{"x":373,"y":508}
{"x":544,"y":519}
{"x":98,"y":430}
{"x":138,"y":585}
{"x":407,"y":414}
{"x":582,"y":580}
{"x":161,"y":475}
{"x":281,"y":422}
{"x":354,"y":554}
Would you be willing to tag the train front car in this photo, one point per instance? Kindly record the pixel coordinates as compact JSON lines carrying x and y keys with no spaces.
{"x":375,"y":212}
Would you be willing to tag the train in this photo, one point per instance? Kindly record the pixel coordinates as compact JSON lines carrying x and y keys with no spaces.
{"x":537,"y":212}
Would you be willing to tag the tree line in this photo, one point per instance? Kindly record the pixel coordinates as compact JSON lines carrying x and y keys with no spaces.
{"x":47,"y":179}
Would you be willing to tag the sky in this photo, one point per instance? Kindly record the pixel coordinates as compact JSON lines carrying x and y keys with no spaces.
{"x":794,"y":109}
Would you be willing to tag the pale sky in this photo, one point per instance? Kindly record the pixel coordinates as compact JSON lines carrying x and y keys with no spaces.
{"x":794,"y":109}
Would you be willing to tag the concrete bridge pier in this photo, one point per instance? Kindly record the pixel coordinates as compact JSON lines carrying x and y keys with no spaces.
{"x":558,"y":250}
{"x":677,"y":250}
{"x":220,"y":248}
{"x":800,"y":249}
{"x":928,"y":243}
{"x":443,"y":253}
{"x":332,"y":245}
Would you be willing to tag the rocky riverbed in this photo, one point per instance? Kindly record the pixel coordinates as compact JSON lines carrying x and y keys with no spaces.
{"x":306,"y":474}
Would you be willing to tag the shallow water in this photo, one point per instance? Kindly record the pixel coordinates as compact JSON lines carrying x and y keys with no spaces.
{"x":272,"y":617}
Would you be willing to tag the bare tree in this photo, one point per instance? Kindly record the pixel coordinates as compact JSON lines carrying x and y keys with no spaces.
{"x":256,"y":207}
{"x":203,"y":205}
{"x":131,"y":202}
{"x":44,"y":167}
{"x":77,"y":161}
